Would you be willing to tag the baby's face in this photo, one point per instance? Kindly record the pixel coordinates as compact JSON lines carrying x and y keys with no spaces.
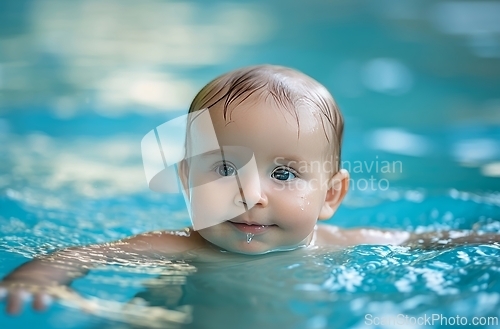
{"x":273,"y":176}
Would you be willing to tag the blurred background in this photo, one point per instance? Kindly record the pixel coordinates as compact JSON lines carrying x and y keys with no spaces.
{"x":81,"y":82}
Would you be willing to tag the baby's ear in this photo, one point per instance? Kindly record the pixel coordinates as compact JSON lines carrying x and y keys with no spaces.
{"x":339,"y":184}
{"x":183,"y":171}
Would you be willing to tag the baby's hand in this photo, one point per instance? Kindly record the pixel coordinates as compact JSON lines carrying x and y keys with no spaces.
{"x":17,"y":294}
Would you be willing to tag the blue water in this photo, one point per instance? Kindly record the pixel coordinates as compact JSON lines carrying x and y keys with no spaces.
{"x":82,"y":82}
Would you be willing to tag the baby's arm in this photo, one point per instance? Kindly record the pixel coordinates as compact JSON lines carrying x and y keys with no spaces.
{"x":328,"y":235}
{"x":50,"y":275}
{"x":42,"y":278}
{"x":333,"y":235}
{"x":447,"y":239}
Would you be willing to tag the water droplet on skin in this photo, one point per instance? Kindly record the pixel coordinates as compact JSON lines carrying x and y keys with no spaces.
{"x":250,"y":237}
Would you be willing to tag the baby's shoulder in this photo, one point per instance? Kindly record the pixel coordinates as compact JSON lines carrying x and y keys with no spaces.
{"x":327,"y":235}
{"x":333,"y":235}
{"x":165,"y":241}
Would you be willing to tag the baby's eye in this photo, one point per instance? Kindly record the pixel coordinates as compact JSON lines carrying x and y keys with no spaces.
{"x":283,"y":174}
{"x":225,"y":169}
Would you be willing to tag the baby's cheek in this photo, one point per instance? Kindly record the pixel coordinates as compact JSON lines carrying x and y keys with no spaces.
{"x":301,"y":205}
{"x":299,"y":198}
{"x":212,"y":203}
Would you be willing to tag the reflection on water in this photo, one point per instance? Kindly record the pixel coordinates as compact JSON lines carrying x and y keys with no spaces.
{"x":118,"y":55}
{"x":387,"y":75}
{"x":319,"y":288}
{"x":95,"y":168}
{"x":400,"y":142}
{"x":475,"y":20}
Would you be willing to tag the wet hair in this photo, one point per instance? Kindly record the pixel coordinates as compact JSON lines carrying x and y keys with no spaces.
{"x":291,"y":89}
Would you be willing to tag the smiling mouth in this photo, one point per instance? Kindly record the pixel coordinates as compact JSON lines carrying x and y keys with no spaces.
{"x":251,"y":228}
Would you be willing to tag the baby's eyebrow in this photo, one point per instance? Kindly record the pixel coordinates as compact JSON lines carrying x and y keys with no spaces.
{"x":213,"y":152}
{"x":226,"y":154}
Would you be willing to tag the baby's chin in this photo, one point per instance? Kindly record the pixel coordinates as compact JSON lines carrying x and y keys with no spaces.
{"x":258,"y":244}
{"x":252,"y":248}
{"x":257,"y":248}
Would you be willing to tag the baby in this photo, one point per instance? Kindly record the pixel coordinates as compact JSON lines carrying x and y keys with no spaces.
{"x":273,"y":177}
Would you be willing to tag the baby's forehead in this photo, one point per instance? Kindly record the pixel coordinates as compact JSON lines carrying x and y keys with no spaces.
{"x":300,"y":115}
{"x":256,"y":118}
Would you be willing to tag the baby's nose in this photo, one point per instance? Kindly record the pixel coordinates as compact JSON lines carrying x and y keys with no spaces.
{"x":250,"y":190}
{"x":251,"y":194}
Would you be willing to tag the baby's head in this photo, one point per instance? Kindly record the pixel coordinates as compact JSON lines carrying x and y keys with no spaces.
{"x":277,"y":169}
{"x":287,"y":89}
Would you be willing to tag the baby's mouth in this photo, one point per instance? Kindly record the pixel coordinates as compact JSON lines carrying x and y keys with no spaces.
{"x":251,"y":227}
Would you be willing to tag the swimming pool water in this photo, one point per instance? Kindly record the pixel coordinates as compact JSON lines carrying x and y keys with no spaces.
{"x":417,"y":85}
{"x":318,"y":288}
